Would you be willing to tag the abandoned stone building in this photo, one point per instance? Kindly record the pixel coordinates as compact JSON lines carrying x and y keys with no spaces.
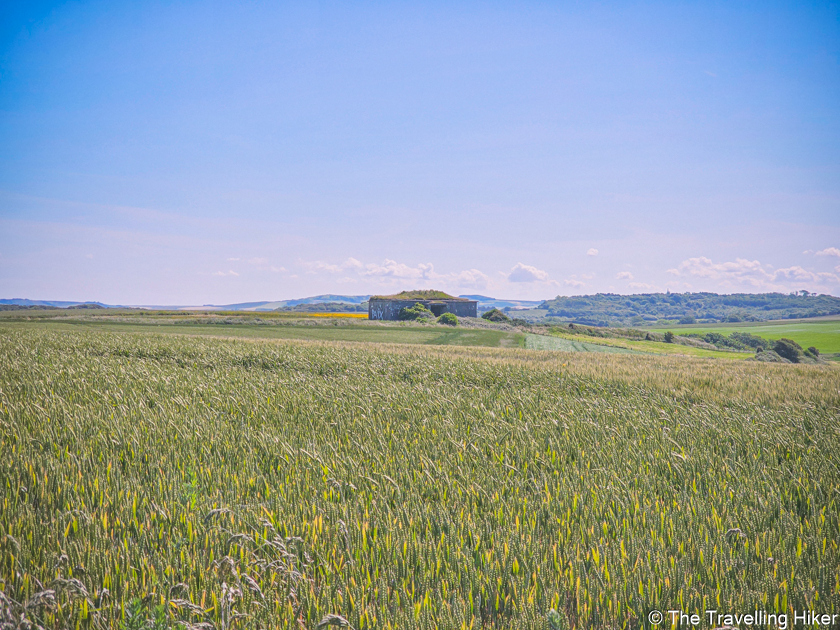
{"x":389,"y":306}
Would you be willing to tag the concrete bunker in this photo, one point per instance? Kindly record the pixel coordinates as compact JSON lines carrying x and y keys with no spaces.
{"x":388,"y":307}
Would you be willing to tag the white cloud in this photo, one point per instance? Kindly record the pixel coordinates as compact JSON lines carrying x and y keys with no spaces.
{"x":226,"y":273}
{"x":527,"y":273}
{"x":571,"y":282}
{"x":741,"y":269}
{"x":391,"y":271}
{"x":803,"y":275}
{"x":321,"y":266}
{"x":470,"y":279}
{"x":642,"y":285}
{"x":592,"y":252}
{"x":829,"y":251}
{"x":277,"y":269}
{"x":624,"y":275}
{"x":797,"y":274}
{"x":752,"y":274}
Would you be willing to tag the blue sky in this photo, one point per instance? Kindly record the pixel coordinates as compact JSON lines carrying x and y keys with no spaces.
{"x":190,"y":153}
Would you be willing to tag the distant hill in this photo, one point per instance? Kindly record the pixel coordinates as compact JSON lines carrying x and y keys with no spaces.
{"x":328,"y":298}
{"x":50,"y":303}
{"x":241,"y":306}
{"x":323,"y":303}
{"x":359,"y":303}
{"x":604,"y":309}
{"x":325,"y":307}
{"x":488,"y":303}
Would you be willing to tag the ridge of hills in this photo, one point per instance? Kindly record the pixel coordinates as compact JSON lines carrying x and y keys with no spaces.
{"x":601,"y":309}
{"x":610,"y":309}
{"x":484,"y":303}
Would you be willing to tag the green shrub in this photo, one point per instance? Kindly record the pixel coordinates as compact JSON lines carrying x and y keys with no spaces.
{"x":715,"y":338}
{"x":813,"y":352}
{"x":735,"y":341}
{"x":750,"y":341}
{"x":449,"y":319}
{"x":788,"y":349}
{"x":688,"y":319}
{"x":495,"y":315}
{"x":417,"y":311}
{"x":669,"y":337}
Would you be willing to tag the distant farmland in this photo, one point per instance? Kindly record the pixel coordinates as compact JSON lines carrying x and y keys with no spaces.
{"x":824,"y":333}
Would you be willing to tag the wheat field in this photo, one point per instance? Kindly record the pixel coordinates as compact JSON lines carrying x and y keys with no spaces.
{"x":163,"y":481}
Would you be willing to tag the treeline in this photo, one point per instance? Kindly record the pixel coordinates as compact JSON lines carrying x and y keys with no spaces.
{"x":771,"y":350}
{"x":610,"y":309}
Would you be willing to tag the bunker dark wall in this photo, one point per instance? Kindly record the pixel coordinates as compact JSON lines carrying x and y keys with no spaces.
{"x":390,"y":309}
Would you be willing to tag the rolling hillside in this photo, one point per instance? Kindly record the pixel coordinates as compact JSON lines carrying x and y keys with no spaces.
{"x":605,"y":309}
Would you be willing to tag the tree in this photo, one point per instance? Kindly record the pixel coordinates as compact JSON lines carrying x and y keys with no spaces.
{"x":669,"y":337}
{"x":788,"y":349}
{"x":495,"y":315}
{"x":812,"y":353}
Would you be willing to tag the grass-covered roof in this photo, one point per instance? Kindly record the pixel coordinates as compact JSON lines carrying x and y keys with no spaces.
{"x":418,"y":294}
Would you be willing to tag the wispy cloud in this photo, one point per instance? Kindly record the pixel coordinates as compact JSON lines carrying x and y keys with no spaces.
{"x":230,"y":272}
{"x":390,"y":271}
{"x":592,"y":252}
{"x":752,"y":274}
{"x":262,"y":263}
{"x":470,"y":279}
{"x":526,"y":273}
{"x":829,"y":251}
{"x":624,"y":275}
{"x":387,"y":269}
